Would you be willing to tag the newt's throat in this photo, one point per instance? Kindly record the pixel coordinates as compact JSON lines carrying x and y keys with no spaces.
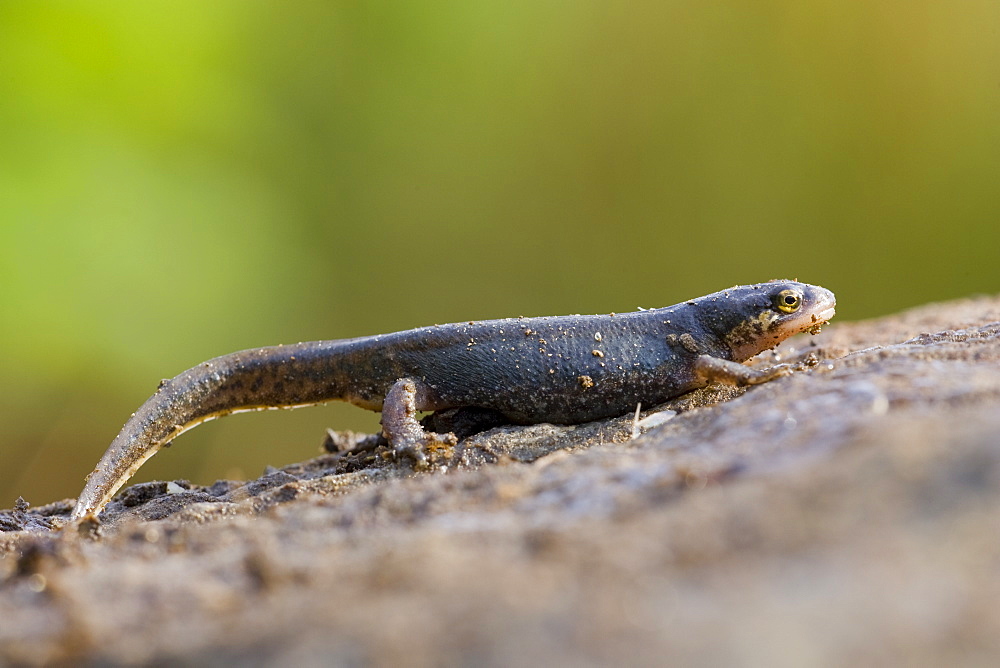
{"x":767,"y":329}
{"x":753,"y":335}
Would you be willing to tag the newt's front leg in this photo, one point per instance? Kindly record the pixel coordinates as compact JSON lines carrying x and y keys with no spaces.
{"x":400,"y":425}
{"x":717,"y":370}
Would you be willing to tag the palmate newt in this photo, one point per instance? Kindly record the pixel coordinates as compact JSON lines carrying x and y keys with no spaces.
{"x":565,"y":369}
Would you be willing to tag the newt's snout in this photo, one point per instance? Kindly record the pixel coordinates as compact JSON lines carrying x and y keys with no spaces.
{"x":824,"y":307}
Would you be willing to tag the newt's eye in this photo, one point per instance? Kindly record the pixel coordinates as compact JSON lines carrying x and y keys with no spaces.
{"x":788,"y":301}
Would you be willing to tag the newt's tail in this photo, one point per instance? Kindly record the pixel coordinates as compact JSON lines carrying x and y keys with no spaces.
{"x":258,"y":379}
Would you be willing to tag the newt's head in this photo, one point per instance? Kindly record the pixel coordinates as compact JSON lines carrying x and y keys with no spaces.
{"x":761,"y":316}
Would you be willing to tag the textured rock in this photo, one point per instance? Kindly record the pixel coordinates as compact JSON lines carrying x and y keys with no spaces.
{"x":848,"y":512}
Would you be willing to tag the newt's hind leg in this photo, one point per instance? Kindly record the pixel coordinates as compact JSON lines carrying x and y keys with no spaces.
{"x":400,"y":425}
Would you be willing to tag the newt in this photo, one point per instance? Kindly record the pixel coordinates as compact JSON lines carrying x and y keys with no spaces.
{"x":559,"y":369}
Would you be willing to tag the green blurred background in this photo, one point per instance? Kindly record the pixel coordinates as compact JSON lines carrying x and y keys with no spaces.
{"x":180,"y":180}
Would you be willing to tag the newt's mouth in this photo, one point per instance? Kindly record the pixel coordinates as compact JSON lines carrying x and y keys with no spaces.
{"x":823,"y":316}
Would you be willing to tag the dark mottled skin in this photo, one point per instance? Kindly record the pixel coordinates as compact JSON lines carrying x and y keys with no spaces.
{"x":565,"y":369}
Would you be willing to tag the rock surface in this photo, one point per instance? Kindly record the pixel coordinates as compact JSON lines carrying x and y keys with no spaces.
{"x":847,"y":513}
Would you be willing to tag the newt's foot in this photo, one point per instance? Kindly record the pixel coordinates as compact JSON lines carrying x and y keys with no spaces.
{"x":429,"y":450}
